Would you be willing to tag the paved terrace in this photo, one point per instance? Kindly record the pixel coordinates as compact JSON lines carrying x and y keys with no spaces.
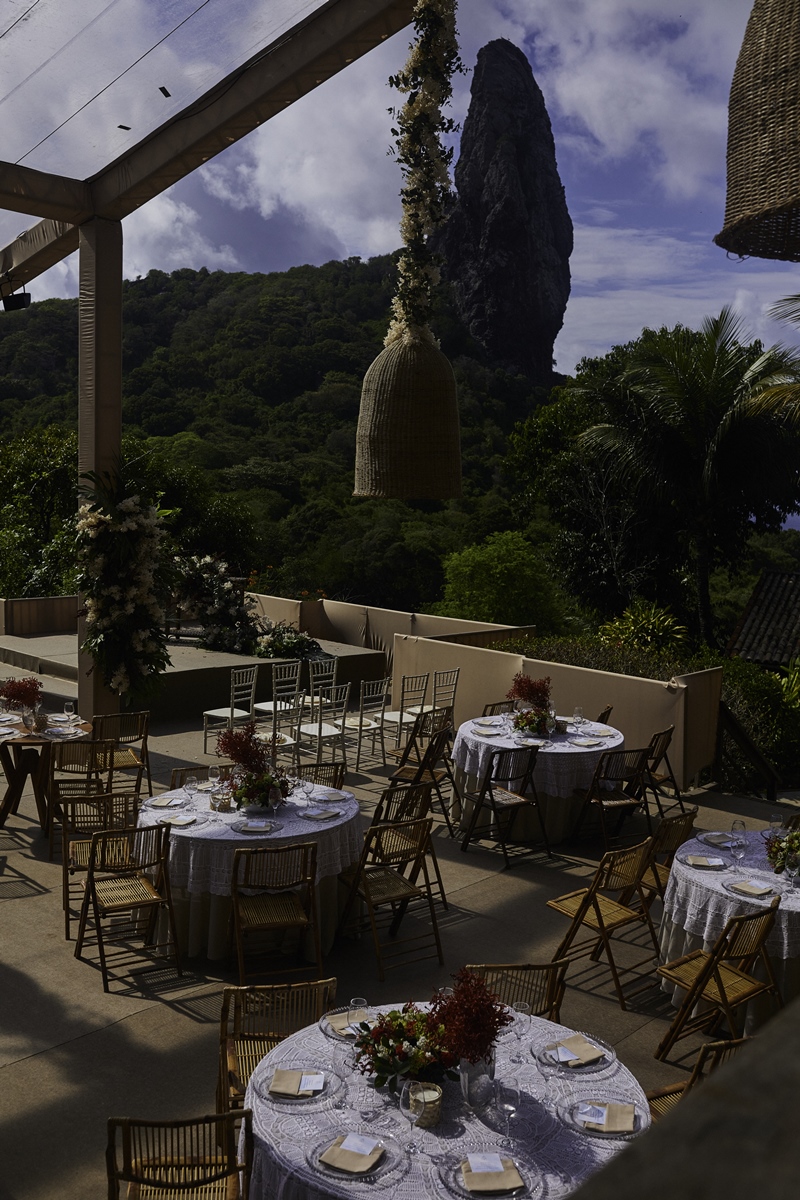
{"x":71,"y":1055}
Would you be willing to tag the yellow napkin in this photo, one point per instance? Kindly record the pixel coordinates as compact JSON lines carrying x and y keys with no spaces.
{"x":340,"y":1023}
{"x":750,"y":887}
{"x":719,"y":839}
{"x":179,"y":821}
{"x":324,"y":814}
{"x":699,"y":860}
{"x":492,"y":1181}
{"x":584,"y":1051}
{"x":161,"y":802}
{"x":620,"y":1118}
{"x":287,"y":1083}
{"x":348,"y":1160}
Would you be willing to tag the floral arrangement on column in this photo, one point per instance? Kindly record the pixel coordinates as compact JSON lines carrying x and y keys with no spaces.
{"x":121,"y":580}
{"x":424,"y":161}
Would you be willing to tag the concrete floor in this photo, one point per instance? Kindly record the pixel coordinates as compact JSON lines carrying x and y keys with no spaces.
{"x":71,"y":1056}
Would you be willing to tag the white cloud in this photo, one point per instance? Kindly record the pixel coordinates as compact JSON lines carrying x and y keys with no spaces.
{"x":165,"y":233}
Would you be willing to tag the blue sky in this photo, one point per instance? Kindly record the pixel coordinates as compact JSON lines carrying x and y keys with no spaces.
{"x":637,"y":93}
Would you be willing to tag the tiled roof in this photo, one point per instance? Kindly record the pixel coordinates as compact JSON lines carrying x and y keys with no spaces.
{"x":768,"y":631}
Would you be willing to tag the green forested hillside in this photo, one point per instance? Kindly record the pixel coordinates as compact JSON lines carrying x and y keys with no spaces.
{"x":246,"y":388}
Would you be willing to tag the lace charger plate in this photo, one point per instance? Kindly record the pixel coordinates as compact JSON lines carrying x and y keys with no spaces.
{"x":449,"y":1168}
{"x":391,"y":1166}
{"x":568,"y":1114}
{"x":258,"y":831}
{"x":542,"y":1056}
{"x":331,"y":1087}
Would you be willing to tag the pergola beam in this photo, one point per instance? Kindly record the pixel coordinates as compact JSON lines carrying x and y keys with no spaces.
{"x":310,"y":53}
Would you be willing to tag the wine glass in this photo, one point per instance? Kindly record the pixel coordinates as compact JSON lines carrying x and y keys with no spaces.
{"x":69,"y":711}
{"x":344,"y":1064}
{"x":506,"y":1092}
{"x":791,"y":866}
{"x":307,"y":787}
{"x":738,"y":848}
{"x":27,"y":718}
{"x":577,"y":717}
{"x":190,"y":787}
{"x":213,"y":775}
{"x":412,"y":1106}
{"x":357,"y":1011}
{"x":522,"y":1019}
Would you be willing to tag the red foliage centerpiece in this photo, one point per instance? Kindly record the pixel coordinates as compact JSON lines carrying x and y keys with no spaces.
{"x":533,"y":700}
{"x":21,"y":693}
{"x":259,"y":781}
{"x":428,"y":1044}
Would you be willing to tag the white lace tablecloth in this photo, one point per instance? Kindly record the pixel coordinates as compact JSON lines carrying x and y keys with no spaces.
{"x":697,"y":908}
{"x":201,"y":856}
{"x":561,"y":770}
{"x":201,"y":865}
{"x":283,"y":1133}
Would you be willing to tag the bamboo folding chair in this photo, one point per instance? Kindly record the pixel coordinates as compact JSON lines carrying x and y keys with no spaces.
{"x":240,"y":711}
{"x":273,"y":890}
{"x":368,"y":720}
{"x":711,"y":1056}
{"x":127,"y":877}
{"x":604,"y":715}
{"x":125,"y":730}
{"x":198,"y":1158}
{"x":413,"y":689}
{"x":498,"y":708}
{"x":669,"y":836}
{"x":85,"y":814}
{"x":285,"y":688}
{"x":658,"y":772}
{"x":433,"y":767}
{"x":254,"y":1020}
{"x":410,"y":803}
{"x":507,"y":787}
{"x":617,"y":789}
{"x":87,"y":766}
{"x":181,"y":774}
{"x":541,"y":985}
{"x":601,"y":915}
{"x":329,"y":774}
{"x":721,"y":977}
{"x":393,"y":855}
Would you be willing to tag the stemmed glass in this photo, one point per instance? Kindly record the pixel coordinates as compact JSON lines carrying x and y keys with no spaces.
{"x":190,"y":787}
{"x":506,"y":1092}
{"x":213,"y":775}
{"x":738,"y":841}
{"x":344,"y":1064}
{"x":577,"y":717}
{"x":307,"y":787}
{"x":69,"y":711}
{"x":522,"y":1019}
{"x":412,"y":1106}
{"x":357,"y":1010}
{"x":791,"y":867}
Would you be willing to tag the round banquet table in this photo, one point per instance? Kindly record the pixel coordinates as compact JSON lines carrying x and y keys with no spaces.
{"x":697,"y":907}
{"x":24,"y":755}
{"x":562,"y":769}
{"x":201,"y":861}
{"x":284,"y":1132}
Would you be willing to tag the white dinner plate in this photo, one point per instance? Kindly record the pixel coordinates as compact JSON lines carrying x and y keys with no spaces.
{"x":487,"y":732}
{"x":488,"y":722}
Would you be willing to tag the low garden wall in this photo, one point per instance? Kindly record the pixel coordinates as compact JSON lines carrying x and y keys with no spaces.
{"x":29,"y":616}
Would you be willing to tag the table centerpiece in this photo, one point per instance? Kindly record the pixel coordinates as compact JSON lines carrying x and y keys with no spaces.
{"x":20,"y":694}
{"x":532,"y":700}
{"x":780,"y":847}
{"x":453,"y":1037}
{"x":258,"y":782}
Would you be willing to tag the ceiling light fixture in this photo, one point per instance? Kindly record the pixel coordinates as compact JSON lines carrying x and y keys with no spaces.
{"x":11,"y":302}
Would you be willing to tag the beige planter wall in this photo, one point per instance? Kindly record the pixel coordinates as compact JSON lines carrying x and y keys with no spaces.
{"x":29,"y":616}
{"x":642,"y":707}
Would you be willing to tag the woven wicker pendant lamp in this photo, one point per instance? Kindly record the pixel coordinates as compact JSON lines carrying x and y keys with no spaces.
{"x":762,"y":210}
{"x":408,"y":442}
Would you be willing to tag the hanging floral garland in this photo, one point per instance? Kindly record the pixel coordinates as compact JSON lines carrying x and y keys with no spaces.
{"x":425,"y":162}
{"x":118,"y":551}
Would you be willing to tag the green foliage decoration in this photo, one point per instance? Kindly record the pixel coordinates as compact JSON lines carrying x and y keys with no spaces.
{"x":645,"y":626}
{"x":205,"y":588}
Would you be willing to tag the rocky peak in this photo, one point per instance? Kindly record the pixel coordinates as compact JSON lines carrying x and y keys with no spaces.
{"x":507,"y":241}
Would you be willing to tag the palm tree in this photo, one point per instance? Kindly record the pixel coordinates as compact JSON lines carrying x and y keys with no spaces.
{"x":707,"y":427}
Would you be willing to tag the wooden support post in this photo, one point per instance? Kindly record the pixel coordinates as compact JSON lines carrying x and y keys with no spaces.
{"x":100,"y":394}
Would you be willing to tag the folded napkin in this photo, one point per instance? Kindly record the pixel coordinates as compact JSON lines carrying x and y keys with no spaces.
{"x":178,"y":821}
{"x":607,"y":1118}
{"x":719,"y":839}
{"x":490,"y":1173}
{"x":584,"y":741}
{"x":322,"y":814}
{"x":699,"y":860}
{"x":354,"y":1153}
{"x":329,"y":794}
{"x":340,"y":1021}
{"x":290,"y":1083}
{"x":751,"y":887}
{"x":579,"y":1052}
{"x":164,"y":801}
{"x":257,"y":826}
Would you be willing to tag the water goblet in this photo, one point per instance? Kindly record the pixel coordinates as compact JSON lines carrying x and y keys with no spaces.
{"x":522,"y":1017}
{"x":307,"y":787}
{"x":412,"y":1106}
{"x":213,"y":775}
{"x":506,"y":1093}
{"x":775,"y":822}
{"x":190,"y":787}
{"x":344,"y":1064}
{"x":69,"y":711}
{"x":791,"y":866}
{"x":357,"y":1011}
{"x":738,"y":848}
{"x":577,"y":717}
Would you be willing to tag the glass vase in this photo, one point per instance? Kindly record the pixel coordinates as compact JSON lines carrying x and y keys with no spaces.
{"x":476,"y":1081}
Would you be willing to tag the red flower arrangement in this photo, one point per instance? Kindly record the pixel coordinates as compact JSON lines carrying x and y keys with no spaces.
{"x":242,"y":747}
{"x":260,"y":781}
{"x":535,"y":692}
{"x":472,"y":1017}
{"x":22,"y":693}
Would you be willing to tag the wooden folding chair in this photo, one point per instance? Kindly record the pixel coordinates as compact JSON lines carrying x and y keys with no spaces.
{"x":721,"y":978}
{"x":541,"y":985}
{"x":711,"y":1056}
{"x":181,"y":774}
{"x":273,"y":891}
{"x":197,"y":1158}
{"x":393,"y":855}
{"x":616,"y":789}
{"x":507,"y":788}
{"x":433,"y":766}
{"x":410,"y":803}
{"x":254,"y":1020}
{"x":658,"y":772}
{"x":601,"y":915}
{"x":125,"y":730}
{"x":85,"y":814}
{"x":669,"y":836}
{"x":127,"y":878}
{"x":76,"y":769}
{"x":329,"y":774}
{"x":498,"y":708}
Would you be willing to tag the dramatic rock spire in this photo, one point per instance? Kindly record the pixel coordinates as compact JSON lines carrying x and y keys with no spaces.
{"x":507,"y":241}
